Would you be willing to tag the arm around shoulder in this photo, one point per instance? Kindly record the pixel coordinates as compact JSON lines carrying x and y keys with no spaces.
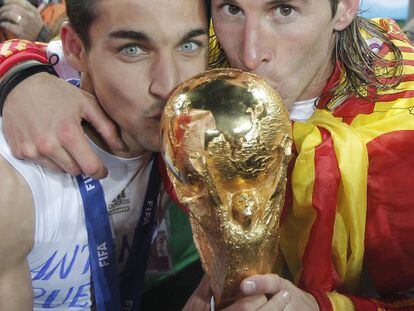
{"x":54,"y":137}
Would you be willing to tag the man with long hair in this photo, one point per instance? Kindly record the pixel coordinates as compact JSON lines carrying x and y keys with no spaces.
{"x":75,"y":243}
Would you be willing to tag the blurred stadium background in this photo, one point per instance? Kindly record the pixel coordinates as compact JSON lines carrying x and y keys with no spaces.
{"x":400,"y":10}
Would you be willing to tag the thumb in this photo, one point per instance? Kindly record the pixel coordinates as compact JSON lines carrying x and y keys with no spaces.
{"x":263,"y":284}
{"x":103,"y":124}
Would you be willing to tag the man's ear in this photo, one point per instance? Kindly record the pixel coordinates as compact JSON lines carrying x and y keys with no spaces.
{"x":73,"y":48}
{"x":345,"y":13}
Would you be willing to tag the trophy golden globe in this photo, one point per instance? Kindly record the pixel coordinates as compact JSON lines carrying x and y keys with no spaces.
{"x":226,"y":140}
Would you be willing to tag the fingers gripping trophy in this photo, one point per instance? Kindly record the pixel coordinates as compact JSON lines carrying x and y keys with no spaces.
{"x":227,"y":140}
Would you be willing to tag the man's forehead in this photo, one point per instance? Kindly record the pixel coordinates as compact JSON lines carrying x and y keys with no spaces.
{"x":159,"y":5}
{"x":147,"y":14}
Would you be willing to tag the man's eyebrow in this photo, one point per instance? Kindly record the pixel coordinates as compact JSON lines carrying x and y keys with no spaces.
{"x":231,"y":2}
{"x":194,"y":33}
{"x":130,"y":34}
{"x":275,"y":2}
{"x":142,"y":36}
{"x":270,"y":2}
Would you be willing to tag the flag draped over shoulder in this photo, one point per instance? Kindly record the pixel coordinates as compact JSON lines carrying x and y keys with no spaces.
{"x":351,"y":189}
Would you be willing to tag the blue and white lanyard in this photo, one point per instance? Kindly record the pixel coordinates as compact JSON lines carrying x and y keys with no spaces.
{"x":106,"y":283}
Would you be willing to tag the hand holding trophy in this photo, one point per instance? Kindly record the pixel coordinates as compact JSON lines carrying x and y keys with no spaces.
{"x":227,"y":140}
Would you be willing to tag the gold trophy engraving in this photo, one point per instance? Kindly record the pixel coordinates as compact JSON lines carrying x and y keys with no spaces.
{"x":226,"y":140}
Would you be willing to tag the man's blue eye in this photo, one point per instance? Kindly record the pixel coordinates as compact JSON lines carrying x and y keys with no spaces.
{"x":132,"y":50}
{"x":189,"y":46}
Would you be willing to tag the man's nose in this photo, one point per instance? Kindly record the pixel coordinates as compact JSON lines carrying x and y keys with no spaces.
{"x":165,"y":77}
{"x":254,"y":50}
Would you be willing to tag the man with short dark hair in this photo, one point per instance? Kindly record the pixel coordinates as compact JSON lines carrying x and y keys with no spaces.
{"x":65,"y":246}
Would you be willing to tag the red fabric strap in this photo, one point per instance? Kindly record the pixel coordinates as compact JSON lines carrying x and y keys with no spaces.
{"x":322,"y":299}
{"x":13,"y":52}
{"x":9,"y":62}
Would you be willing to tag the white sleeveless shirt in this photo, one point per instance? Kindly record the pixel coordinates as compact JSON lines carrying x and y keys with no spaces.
{"x":59,"y":260}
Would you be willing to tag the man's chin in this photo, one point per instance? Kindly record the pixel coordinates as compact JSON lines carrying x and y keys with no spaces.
{"x":153,"y":146}
{"x":155,"y":149}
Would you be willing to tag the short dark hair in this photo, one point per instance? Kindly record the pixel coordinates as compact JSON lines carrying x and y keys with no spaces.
{"x":82,"y":13}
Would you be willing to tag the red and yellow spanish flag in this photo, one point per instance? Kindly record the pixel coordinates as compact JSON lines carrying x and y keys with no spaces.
{"x":351,"y":193}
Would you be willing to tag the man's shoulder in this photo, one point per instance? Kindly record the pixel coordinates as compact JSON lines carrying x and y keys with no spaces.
{"x":40,"y":180}
{"x":17,"y":215}
{"x":13,"y":183}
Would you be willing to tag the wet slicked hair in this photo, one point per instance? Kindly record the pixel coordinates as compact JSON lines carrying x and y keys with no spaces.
{"x":361,"y":63}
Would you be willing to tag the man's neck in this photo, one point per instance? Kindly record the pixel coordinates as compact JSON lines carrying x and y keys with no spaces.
{"x":319,"y":82}
{"x":132,"y":148}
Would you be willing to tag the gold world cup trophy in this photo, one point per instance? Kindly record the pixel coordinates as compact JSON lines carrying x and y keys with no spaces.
{"x":226,"y":140}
